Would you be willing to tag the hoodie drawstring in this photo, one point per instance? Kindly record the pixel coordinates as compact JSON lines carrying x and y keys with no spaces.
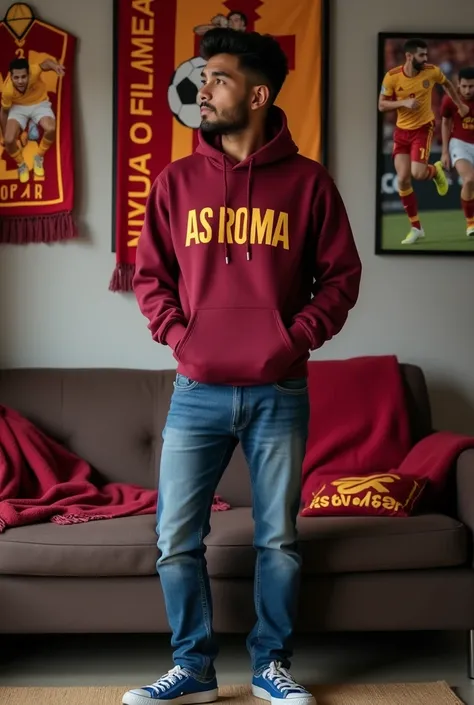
{"x":226,"y":244}
{"x":249,"y":212}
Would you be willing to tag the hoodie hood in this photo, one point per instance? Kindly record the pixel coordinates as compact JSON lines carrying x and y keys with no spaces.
{"x":279,"y":146}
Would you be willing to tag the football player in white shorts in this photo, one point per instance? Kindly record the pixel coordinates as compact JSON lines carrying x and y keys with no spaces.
{"x":458,"y":142}
{"x":25,"y":101}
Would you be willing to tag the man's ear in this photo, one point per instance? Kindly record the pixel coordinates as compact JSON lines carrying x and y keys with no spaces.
{"x":260,"y":97}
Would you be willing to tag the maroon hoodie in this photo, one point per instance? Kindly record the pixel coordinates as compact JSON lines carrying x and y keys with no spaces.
{"x":243,"y":268}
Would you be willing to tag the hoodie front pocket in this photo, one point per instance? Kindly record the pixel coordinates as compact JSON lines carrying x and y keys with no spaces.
{"x":236,"y":346}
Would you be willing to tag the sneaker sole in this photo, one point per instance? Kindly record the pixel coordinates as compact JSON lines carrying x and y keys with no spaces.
{"x":294,"y":700}
{"x":208,"y":696}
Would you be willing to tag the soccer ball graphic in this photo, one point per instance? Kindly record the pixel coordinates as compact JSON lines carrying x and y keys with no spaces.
{"x":182,"y":92}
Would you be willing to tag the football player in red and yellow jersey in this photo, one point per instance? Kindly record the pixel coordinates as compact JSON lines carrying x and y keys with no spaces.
{"x":458,"y":142}
{"x":24,"y":99}
{"x":408,"y":90}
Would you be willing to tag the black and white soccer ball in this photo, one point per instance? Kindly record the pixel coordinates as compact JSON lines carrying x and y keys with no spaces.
{"x":183,"y":90}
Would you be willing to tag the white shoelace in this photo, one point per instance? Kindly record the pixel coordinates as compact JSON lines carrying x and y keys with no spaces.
{"x":282,"y":678}
{"x":169,"y":679}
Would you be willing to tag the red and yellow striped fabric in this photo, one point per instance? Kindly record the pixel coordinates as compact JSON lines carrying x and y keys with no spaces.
{"x":157,"y":70}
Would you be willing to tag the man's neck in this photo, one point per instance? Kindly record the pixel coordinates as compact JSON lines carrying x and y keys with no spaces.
{"x":409,"y":70}
{"x":241,"y":145}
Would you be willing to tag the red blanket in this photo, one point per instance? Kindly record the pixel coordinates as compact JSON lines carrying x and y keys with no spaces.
{"x":358,"y":421}
{"x":433,"y":458}
{"x":42,"y":481}
{"x":359,"y":426}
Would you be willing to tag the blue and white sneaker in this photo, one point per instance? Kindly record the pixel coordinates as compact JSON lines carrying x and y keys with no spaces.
{"x":276,"y":685}
{"x":177,"y":686}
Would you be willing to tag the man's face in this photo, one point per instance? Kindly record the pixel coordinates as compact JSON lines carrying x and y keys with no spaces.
{"x":224,"y":96}
{"x":20,"y":79}
{"x":236,"y":22}
{"x":466,"y":88}
{"x":419,"y":59}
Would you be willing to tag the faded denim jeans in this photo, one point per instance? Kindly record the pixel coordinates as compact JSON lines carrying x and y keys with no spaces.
{"x":204,"y":425}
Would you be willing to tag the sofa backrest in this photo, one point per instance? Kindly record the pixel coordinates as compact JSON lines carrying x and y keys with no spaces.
{"x":113,"y":418}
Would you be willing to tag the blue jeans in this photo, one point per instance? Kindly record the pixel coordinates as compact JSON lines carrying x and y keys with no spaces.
{"x":204,"y":425}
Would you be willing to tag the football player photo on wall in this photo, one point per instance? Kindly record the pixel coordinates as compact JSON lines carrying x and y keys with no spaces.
{"x":36,"y":129}
{"x":425,"y":144}
{"x":158,"y":73}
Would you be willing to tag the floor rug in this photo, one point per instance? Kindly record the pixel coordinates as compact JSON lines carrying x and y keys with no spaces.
{"x":438,"y":693}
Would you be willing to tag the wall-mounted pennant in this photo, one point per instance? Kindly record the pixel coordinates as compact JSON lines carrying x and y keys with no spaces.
{"x":36,"y":129}
{"x":157,"y":70}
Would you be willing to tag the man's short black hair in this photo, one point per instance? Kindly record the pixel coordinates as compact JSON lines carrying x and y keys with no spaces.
{"x":466,"y":72}
{"x":259,"y":54}
{"x":411,"y":45}
{"x":19,"y":65}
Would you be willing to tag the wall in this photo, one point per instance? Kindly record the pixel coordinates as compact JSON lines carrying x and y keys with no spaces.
{"x":55,"y":309}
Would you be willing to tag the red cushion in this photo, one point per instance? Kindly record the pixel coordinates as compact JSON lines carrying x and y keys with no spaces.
{"x":381,"y":494}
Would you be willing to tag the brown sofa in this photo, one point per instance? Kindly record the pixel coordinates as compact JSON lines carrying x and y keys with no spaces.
{"x":358,"y":573}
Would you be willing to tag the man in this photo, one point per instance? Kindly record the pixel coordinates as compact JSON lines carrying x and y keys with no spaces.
{"x":458,"y":142}
{"x":24,"y":99}
{"x":408,"y":90}
{"x":246,"y":262}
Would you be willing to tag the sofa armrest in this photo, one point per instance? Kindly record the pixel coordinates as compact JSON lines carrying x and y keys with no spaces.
{"x":465,"y":488}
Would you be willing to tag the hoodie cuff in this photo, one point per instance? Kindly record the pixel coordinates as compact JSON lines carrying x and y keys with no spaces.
{"x":300,"y":337}
{"x":174,"y":335}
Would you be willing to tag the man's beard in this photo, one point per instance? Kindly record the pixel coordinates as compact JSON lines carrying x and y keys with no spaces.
{"x":418,"y":65}
{"x":228,"y":122}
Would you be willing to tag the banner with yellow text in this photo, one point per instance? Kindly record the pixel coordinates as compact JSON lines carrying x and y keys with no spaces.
{"x":157,"y":71}
{"x":36,"y":129}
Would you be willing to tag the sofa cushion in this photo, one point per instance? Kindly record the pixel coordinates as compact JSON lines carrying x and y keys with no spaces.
{"x":109,"y":547}
{"x":344,"y":544}
{"x":127,"y":547}
{"x":113,"y":418}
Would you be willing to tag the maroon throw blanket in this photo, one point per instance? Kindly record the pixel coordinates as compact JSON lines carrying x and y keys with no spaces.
{"x":359,"y":426}
{"x":358,"y":420}
{"x":40,"y":480}
{"x":433,"y":458}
